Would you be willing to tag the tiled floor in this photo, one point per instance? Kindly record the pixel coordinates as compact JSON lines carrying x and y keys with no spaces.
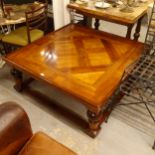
{"x":115,"y":138}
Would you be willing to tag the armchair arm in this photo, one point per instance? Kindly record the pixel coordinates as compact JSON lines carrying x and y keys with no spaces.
{"x":15,"y":128}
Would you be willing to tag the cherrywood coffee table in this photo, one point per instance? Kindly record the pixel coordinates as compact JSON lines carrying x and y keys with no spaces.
{"x":84,"y":63}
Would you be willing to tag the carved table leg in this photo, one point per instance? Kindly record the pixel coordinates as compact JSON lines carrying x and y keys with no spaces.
{"x":87,"y":21}
{"x":84,"y":22}
{"x":97,"y":24}
{"x":153,"y":147}
{"x":128,"y":34}
{"x":18,"y":79}
{"x":138,"y":27}
{"x":94,"y":120}
{"x":113,"y":102}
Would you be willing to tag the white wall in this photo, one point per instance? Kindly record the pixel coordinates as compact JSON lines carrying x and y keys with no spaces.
{"x":60,"y":13}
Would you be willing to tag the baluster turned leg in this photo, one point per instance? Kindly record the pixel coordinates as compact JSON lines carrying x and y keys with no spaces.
{"x":137,"y":32}
{"x":18,"y":77}
{"x":97,"y":24}
{"x":153,"y":147}
{"x":129,"y":29}
{"x":87,"y":21}
{"x":94,"y":120}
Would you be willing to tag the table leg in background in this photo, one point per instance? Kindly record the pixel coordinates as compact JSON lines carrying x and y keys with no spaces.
{"x":129,"y":29}
{"x":138,"y":27}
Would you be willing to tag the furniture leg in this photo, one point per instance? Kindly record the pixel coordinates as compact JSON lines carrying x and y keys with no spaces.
{"x":6,"y":50}
{"x":94,"y":120}
{"x":2,"y":49}
{"x":84,"y":22}
{"x":153,"y":147}
{"x":87,"y":21}
{"x":138,"y":27}
{"x":18,"y":79}
{"x":114,"y":101}
{"x":97,"y":24}
{"x":129,"y":29}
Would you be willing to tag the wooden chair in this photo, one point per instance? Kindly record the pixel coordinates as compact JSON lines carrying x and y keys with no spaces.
{"x":36,"y":25}
{"x":1,"y":45}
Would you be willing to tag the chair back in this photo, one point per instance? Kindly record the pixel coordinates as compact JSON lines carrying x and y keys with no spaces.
{"x":36,"y":19}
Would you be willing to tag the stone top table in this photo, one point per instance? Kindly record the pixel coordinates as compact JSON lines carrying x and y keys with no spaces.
{"x":15,"y":14}
{"x":113,"y":14}
{"x":84,"y":63}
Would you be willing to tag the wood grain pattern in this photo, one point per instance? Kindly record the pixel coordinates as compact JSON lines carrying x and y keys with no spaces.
{"x":84,"y":63}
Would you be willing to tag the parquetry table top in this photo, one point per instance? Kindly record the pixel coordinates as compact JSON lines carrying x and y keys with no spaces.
{"x":79,"y":61}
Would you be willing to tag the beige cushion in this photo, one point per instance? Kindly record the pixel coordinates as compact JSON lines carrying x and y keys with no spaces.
{"x":41,"y":144}
{"x":19,"y":36}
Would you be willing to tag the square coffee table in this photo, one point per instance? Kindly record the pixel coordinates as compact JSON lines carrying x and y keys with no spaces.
{"x":84,"y":63}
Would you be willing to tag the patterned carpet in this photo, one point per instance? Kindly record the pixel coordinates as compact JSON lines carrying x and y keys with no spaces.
{"x":136,"y":115}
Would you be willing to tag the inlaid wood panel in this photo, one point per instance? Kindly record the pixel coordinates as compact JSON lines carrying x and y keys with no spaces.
{"x":79,"y":61}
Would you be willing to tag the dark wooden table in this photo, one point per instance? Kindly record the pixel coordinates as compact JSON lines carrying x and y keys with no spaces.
{"x":84,"y":63}
{"x":114,"y":15}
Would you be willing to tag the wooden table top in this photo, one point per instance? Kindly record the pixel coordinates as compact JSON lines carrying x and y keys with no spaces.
{"x":16,"y":13}
{"x":112,"y":13}
{"x":85,"y":63}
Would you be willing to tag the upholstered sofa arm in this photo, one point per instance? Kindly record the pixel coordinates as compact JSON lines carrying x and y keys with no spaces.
{"x":15,"y":128}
